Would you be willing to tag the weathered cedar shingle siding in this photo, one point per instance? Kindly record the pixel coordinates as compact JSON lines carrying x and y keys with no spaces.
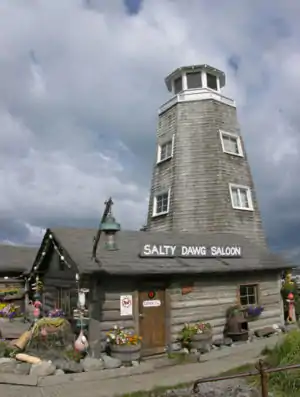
{"x":162,"y":178}
{"x":199,"y":173}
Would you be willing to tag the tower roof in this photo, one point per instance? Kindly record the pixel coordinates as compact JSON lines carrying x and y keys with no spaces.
{"x":177,"y":72}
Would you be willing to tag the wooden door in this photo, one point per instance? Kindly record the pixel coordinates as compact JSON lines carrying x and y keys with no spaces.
{"x":152,"y":313}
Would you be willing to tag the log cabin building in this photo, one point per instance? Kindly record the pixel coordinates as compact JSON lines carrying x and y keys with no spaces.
{"x":203,"y":249}
{"x":15,"y":263}
{"x":166,"y":288}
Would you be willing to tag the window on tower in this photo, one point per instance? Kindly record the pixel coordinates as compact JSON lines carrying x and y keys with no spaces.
{"x":194,"y":80}
{"x":241,"y":197}
{"x":212,"y":81}
{"x":177,"y":85}
{"x":231,"y":143}
{"x":161,"y":203}
{"x":165,"y":151}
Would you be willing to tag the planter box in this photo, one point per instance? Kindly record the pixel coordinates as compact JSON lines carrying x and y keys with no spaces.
{"x":126,"y":353}
{"x":202,"y":342}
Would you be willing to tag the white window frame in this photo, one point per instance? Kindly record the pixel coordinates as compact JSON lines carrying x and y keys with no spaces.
{"x":159,"y":159}
{"x":249,"y":196}
{"x":154,"y":210}
{"x":238,"y":141}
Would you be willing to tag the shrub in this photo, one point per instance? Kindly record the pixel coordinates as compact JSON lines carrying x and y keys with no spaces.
{"x":286,"y":352}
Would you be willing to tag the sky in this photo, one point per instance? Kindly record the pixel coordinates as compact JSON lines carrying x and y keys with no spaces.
{"x":80,"y":85}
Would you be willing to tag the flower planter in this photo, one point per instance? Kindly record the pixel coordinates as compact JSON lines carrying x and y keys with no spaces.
{"x":202,"y":342}
{"x":238,"y":336}
{"x":126,"y":353}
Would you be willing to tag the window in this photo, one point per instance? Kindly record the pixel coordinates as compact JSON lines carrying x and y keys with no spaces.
{"x":161,"y":204}
{"x":66,"y":300}
{"x":194,"y":80}
{"x":177,"y":85}
{"x":231,"y":143}
{"x":165,"y":151}
{"x":241,"y":197}
{"x":248,"y":294}
{"x":212,"y":81}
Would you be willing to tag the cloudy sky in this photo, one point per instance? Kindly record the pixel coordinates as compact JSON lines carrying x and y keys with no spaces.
{"x":80,"y":85}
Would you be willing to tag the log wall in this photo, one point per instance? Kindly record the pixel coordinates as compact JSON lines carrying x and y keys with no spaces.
{"x":211,"y":297}
{"x":105,"y":306}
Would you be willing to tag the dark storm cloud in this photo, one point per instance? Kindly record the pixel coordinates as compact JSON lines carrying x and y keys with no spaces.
{"x":80,"y":84}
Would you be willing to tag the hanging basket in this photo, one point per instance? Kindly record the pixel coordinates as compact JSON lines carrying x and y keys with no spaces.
{"x":126,"y":353}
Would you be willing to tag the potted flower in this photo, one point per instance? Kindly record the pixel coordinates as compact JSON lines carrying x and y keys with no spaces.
{"x":253,"y":312}
{"x":197,"y":336}
{"x":124,"y":344}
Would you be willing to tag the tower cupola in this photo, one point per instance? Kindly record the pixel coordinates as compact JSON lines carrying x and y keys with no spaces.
{"x":195,"y":77}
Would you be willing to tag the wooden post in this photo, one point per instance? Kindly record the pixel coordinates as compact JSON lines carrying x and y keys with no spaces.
{"x":263,"y":379}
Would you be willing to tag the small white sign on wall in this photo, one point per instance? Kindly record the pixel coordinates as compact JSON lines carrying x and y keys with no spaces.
{"x":126,"y":305}
{"x":152,"y":303}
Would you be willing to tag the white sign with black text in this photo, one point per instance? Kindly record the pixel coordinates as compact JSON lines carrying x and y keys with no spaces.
{"x":126,"y":305}
{"x":152,"y":303}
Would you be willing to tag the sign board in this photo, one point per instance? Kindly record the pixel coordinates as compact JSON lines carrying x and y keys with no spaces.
{"x":126,"y":305}
{"x":190,"y":251}
{"x":152,"y":303}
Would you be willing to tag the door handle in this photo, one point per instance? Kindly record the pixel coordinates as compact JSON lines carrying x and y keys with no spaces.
{"x":141,"y":315}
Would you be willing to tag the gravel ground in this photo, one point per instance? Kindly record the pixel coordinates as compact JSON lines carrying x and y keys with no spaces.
{"x":227,"y":388}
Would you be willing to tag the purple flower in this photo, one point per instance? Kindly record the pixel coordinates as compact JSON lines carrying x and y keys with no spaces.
{"x":255,"y":311}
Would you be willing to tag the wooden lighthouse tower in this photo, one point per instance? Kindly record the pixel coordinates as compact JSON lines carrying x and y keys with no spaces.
{"x":201,"y":178}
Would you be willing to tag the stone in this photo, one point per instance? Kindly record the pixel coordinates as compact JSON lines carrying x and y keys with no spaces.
{"x":135,"y":363}
{"x":69,"y":367}
{"x":184,"y":350}
{"x":59,"y":372}
{"x":44,"y":368}
{"x":193,"y":351}
{"x":96,"y":348}
{"x":111,"y":362}
{"x":227,"y":341}
{"x":22,"y":369}
{"x":218,"y":342}
{"x":92,"y":364}
{"x":175,"y":347}
{"x":7,"y":365}
{"x":264,"y":332}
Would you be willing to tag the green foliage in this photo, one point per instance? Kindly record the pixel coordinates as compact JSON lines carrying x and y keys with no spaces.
{"x":285,"y":353}
{"x":233,"y":310}
{"x":6,"y":350}
{"x":189,"y":330}
{"x":73,"y":355}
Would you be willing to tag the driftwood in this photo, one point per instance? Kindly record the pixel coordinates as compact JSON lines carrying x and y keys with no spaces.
{"x":26,"y":358}
{"x":22,"y":341}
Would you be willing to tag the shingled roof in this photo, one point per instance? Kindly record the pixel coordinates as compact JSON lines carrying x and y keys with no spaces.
{"x":77,"y":243}
{"x":16,"y":259}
